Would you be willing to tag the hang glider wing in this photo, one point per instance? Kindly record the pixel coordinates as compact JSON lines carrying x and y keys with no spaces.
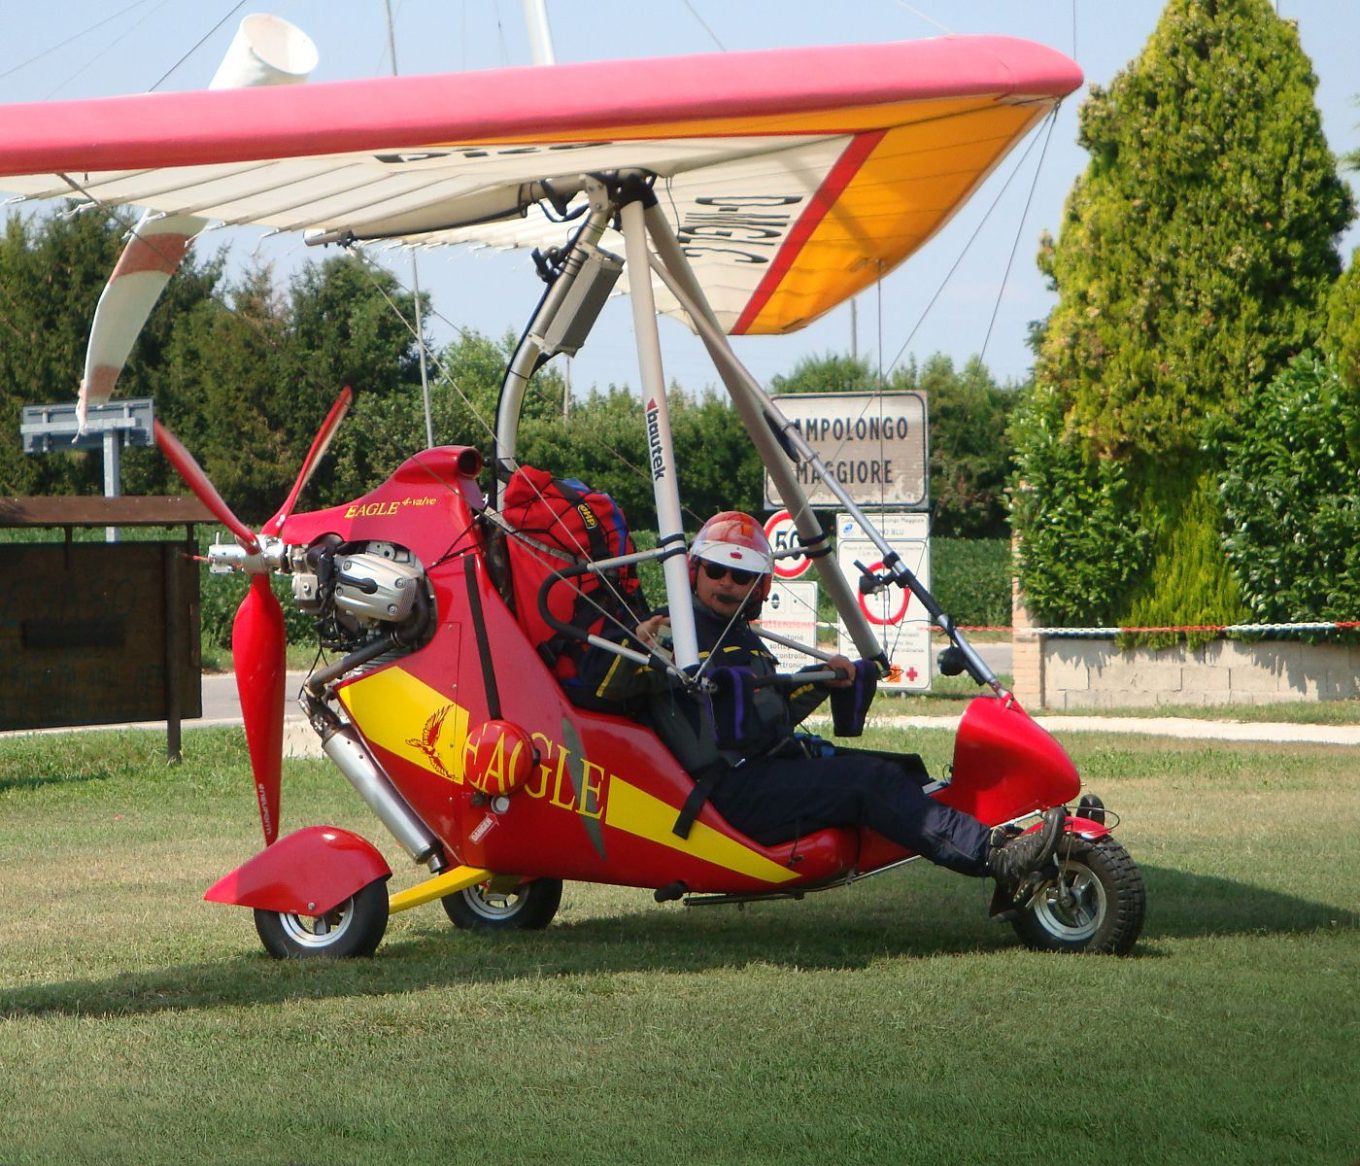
{"x":793,"y":178}
{"x":265,"y":51}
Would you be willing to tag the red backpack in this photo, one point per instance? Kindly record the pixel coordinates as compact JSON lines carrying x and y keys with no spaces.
{"x":556,"y":524}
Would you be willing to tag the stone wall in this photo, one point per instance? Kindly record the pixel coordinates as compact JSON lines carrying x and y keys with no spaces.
{"x":1093,"y":673}
{"x":1062,"y":672}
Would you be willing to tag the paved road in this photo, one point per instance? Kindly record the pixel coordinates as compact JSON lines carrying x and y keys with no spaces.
{"x":220,"y":702}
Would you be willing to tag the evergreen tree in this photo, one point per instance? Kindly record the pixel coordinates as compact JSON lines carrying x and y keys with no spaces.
{"x":1194,"y":258}
{"x":52,"y":271}
{"x":969,"y":447}
{"x":829,"y":373}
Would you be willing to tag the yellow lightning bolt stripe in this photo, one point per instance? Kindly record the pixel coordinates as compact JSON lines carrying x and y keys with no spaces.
{"x":391,"y":702}
{"x":395,"y":709}
{"x":633,"y":811}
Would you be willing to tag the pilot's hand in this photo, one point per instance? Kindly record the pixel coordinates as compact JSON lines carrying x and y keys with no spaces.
{"x":843,"y":665}
{"x":651,"y":630}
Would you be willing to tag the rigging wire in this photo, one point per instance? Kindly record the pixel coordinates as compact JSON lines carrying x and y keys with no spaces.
{"x":199,"y":44}
{"x":102,"y":53}
{"x":704,"y":25}
{"x":1052,"y":118}
{"x":75,"y":36}
{"x":1019,"y":230}
{"x":415,"y":268}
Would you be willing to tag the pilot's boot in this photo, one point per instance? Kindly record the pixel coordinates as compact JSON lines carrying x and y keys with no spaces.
{"x":1012,"y":859}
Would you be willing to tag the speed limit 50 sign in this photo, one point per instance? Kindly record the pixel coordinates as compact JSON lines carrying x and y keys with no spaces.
{"x":783,"y":536}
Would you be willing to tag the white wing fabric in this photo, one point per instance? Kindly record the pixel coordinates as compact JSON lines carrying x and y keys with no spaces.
{"x":793,"y":178}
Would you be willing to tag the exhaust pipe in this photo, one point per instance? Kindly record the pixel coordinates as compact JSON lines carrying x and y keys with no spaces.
{"x":351,"y":756}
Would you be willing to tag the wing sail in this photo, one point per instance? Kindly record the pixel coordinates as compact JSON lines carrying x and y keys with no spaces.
{"x":793,"y":178}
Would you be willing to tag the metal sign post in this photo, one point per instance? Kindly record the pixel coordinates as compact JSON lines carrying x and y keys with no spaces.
{"x":56,"y":429}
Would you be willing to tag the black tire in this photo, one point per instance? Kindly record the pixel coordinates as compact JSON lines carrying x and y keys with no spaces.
{"x":1095,"y":904}
{"x":352,"y":930}
{"x":526,"y":907}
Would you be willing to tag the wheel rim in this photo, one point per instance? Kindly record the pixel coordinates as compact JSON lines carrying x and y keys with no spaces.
{"x":495,"y":906}
{"x":318,"y":931}
{"x":1072,"y":907}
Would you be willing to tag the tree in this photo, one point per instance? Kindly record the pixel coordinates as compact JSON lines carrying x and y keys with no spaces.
{"x":1289,"y":491}
{"x":970,"y":452}
{"x":1194,"y":258}
{"x":604,"y":442}
{"x":829,"y":373}
{"x":1341,"y":336}
{"x":386,"y":429}
{"x":52,"y":271}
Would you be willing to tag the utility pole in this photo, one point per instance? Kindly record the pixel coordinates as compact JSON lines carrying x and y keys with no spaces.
{"x":415,"y":272}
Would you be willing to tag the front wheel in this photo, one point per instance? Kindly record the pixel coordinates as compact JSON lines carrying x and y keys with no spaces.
{"x":489,"y":907}
{"x":353,"y":928}
{"x":1095,"y":903}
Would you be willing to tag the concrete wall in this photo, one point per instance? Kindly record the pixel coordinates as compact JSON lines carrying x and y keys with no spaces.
{"x":1059,"y":672}
{"x":1093,"y":673}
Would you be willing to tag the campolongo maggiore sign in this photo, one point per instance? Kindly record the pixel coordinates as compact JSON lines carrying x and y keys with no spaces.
{"x":873,"y":444}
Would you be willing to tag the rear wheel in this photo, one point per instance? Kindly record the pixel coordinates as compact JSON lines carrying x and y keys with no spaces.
{"x":353,"y":928}
{"x":490,"y":907}
{"x":1095,"y":903}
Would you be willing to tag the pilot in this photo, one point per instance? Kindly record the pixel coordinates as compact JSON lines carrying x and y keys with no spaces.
{"x":737,"y":740}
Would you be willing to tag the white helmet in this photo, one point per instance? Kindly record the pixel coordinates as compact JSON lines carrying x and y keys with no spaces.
{"x":737,"y":540}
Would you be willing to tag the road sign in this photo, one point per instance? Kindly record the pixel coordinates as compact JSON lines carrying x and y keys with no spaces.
{"x":783,"y":536}
{"x":791,"y":612}
{"x":899,"y":622}
{"x":873,"y":444}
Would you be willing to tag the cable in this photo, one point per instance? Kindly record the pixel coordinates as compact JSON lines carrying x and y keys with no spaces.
{"x":71,"y":39}
{"x":231,"y":12}
{"x":971,"y":240}
{"x":704,"y":25}
{"x":1015,"y":243}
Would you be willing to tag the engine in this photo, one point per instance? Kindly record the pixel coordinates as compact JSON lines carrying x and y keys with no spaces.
{"x":361,"y":591}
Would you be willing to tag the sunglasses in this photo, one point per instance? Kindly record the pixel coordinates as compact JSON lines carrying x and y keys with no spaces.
{"x":716,"y":571}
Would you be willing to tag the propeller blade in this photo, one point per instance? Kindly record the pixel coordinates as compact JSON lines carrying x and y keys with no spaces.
{"x":320,"y":444}
{"x":257,"y":649}
{"x":198,"y":482}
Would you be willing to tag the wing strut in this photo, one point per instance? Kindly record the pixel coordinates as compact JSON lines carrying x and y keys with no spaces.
{"x":755,"y":407}
{"x":533,"y":346}
{"x":670,"y":524}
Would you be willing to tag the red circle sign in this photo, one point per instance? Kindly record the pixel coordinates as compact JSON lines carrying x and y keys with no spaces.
{"x":881,"y":620}
{"x":783,"y":534}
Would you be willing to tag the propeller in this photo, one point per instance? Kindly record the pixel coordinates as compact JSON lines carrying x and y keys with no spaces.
{"x":257,"y":633}
{"x":320,"y":443}
{"x":257,"y":641}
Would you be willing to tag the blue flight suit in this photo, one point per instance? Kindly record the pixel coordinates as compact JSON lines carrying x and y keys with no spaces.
{"x":740,"y":744}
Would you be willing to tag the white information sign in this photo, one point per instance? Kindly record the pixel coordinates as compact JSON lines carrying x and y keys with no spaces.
{"x":896,"y":616}
{"x":791,"y":612}
{"x":873,"y":444}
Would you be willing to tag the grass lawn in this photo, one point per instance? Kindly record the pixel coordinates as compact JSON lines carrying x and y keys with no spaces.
{"x":886,"y":1023}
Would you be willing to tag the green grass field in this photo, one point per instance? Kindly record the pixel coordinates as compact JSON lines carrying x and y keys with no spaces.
{"x":886,"y":1023}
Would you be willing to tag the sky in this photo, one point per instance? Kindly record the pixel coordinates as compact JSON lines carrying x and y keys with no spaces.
{"x":973,"y":289}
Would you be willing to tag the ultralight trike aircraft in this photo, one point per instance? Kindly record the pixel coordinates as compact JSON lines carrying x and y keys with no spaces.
{"x":747,"y":193}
